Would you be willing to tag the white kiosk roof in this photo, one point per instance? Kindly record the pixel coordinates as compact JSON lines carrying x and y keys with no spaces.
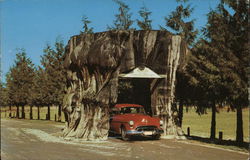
{"x":141,"y":72}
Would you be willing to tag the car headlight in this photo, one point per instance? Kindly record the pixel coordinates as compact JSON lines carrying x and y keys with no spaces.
{"x":131,"y":123}
{"x":161,"y":122}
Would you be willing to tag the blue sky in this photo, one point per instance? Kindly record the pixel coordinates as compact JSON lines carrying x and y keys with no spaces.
{"x":31,"y":24}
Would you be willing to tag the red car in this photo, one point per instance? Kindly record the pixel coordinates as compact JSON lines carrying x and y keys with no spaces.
{"x":131,"y":120}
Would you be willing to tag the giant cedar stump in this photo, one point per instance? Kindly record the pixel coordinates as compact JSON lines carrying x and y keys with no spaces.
{"x":94,"y":62}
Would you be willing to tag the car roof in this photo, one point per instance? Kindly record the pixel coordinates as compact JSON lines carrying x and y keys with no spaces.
{"x":127,"y":105}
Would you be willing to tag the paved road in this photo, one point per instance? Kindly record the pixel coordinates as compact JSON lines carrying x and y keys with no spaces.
{"x":39,"y":140}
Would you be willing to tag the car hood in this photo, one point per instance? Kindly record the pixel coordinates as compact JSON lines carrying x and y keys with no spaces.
{"x":142,"y":120}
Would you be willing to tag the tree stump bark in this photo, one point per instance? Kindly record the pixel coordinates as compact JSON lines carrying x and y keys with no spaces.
{"x":94,"y":62}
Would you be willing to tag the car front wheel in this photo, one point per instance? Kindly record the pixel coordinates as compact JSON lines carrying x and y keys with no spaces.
{"x":156,"y":137}
{"x":123,"y":134}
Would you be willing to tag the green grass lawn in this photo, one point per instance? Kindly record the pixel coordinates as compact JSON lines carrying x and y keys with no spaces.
{"x":43,"y":112}
{"x":225,"y":122}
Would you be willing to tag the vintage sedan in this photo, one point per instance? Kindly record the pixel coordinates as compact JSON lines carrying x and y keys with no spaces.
{"x":131,"y":120}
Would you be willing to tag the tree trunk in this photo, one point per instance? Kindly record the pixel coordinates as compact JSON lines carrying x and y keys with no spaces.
{"x":86,"y":113}
{"x":17,"y":111}
{"x":48,"y":114}
{"x":38,"y":112}
{"x":10,"y":112}
{"x":89,"y":122}
{"x":23,"y":112}
{"x":239,"y":129}
{"x":5,"y":112}
{"x":165,"y":92}
{"x":180,"y":113}
{"x":59,"y":113}
{"x":213,"y":122}
{"x":31,"y":112}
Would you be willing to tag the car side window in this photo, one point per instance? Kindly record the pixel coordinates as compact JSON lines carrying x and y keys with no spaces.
{"x":134,"y":110}
{"x":125,"y":110}
{"x":121,"y":111}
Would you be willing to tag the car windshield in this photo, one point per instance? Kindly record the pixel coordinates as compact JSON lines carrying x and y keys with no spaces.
{"x":132,"y":110}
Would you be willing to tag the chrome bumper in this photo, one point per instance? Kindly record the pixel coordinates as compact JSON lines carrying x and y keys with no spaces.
{"x":143,"y":133}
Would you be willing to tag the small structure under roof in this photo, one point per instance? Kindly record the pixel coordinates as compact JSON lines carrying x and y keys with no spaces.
{"x":141,"y":72}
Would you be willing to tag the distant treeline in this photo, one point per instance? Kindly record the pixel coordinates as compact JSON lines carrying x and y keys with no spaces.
{"x":36,"y":86}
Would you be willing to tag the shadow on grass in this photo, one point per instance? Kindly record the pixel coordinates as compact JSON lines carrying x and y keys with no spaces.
{"x":244,"y":145}
{"x":51,"y":120}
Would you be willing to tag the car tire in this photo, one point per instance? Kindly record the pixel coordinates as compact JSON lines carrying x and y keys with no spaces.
{"x":124,"y":136}
{"x":111,"y":134}
{"x":156,"y":137}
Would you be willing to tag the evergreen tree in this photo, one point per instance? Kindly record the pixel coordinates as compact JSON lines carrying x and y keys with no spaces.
{"x":54,"y":75}
{"x":39,"y":90}
{"x":123,"y":18}
{"x":10,"y":92}
{"x":178,"y":22}
{"x":3,"y":95}
{"x":145,"y":23}
{"x":19,"y":81}
{"x":4,"y":99}
{"x":86,"y":28}
{"x":208,"y":75}
{"x":228,"y":35}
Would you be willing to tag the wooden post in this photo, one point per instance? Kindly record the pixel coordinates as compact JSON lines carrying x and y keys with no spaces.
{"x":188,"y":131}
{"x":220,"y":136}
{"x":55,"y":117}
